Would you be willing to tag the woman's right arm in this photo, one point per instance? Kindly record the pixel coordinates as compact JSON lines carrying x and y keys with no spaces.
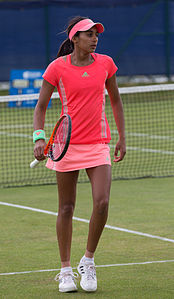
{"x":39,"y":117}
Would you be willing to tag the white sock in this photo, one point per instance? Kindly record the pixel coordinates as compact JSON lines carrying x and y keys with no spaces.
{"x":89,"y":260}
{"x":65,"y":269}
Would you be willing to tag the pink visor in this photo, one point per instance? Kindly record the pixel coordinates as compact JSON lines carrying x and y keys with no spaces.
{"x":85,"y":25}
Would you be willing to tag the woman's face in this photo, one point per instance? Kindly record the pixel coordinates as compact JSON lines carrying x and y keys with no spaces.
{"x":87,"y":40}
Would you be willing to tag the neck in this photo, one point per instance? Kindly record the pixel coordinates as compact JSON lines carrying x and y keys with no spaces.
{"x":80,"y":58}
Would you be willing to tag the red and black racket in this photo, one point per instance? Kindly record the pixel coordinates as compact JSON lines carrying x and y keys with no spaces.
{"x":59,"y":141}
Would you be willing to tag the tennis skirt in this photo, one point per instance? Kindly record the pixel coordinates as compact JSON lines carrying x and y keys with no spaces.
{"x":82,"y":156}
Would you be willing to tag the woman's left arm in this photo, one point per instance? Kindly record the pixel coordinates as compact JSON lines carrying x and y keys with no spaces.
{"x":117,"y":108}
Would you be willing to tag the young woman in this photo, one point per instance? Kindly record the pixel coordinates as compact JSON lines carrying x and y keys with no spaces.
{"x":81,"y":76}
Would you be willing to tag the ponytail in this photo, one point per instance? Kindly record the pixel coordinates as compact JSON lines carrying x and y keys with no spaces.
{"x":66,"y":48}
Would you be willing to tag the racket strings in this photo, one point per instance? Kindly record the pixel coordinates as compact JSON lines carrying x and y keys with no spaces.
{"x":60,"y":139}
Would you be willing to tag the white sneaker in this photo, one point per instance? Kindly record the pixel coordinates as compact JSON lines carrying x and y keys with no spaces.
{"x":67,"y":281}
{"x":88,"y":276}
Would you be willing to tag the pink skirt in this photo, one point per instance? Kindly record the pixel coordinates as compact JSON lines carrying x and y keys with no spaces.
{"x":82,"y":156}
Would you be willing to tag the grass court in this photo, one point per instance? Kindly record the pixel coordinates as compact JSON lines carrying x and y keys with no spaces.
{"x":133,"y":266}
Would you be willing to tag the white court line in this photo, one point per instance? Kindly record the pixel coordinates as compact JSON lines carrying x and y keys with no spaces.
{"x":143,"y":135}
{"x":146,"y":150}
{"x":159,"y":137}
{"x":134,"y":134}
{"x":16,"y":135}
{"x":97,"y":266}
{"x":150,"y":150}
{"x":22,"y":126}
{"x":87,"y":221}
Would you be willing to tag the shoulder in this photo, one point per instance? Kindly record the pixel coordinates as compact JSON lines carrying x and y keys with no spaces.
{"x":60,"y":61}
{"x":56,"y":66}
{"x":107,"y":63}
{"x":103,"y":58}
{"x":54,"y":71}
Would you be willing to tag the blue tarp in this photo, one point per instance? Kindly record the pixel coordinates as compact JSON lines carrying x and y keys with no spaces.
{"x":139,"y":35}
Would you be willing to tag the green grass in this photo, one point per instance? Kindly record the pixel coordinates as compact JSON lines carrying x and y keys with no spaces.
{"x":28,"y":241}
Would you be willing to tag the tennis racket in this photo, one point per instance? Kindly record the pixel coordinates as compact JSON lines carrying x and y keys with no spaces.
{"x":57,"y":146}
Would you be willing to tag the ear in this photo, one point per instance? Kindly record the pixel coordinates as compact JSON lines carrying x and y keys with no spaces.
{"x":74,"y":39}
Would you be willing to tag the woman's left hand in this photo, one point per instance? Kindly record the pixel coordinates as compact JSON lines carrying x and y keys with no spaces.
{"x":120,"y":147}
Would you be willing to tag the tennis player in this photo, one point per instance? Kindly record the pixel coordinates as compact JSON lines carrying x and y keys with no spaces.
{"x":81,"y":76}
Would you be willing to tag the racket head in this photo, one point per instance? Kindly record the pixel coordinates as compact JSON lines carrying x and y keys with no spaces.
{"x":60,"y":139}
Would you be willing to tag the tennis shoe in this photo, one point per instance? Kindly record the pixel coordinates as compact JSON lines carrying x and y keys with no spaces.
{"x":67,"y":281}
{"x":88,"y":276}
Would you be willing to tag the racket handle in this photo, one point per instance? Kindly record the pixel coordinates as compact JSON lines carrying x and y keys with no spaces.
{"x":34,"y":163}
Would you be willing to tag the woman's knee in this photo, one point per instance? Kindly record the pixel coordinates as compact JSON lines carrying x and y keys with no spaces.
{"x":101,"y":205}
{"x":66,"y":210}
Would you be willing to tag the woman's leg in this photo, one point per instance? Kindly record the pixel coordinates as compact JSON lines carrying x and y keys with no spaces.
{"x":66,"y":182}
{"x":100,"y":178}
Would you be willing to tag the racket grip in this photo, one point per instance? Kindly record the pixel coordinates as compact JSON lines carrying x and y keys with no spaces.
{"x":34,"y":163}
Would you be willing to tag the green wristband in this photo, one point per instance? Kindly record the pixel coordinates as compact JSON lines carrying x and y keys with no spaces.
{"x":38,"y":134}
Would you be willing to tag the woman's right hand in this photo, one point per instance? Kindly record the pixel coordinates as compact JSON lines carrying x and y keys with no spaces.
{"x":39,"y":149}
